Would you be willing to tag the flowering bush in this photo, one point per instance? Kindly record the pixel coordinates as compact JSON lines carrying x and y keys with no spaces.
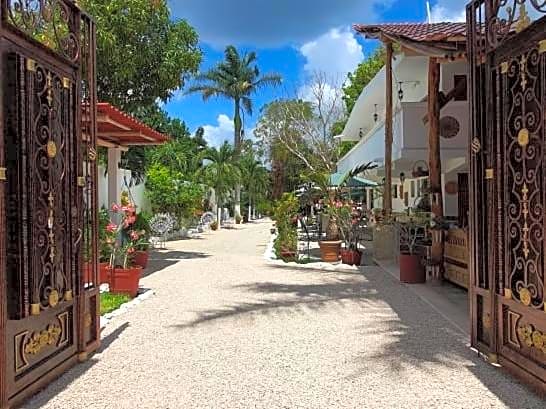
{"x":123,"y":239}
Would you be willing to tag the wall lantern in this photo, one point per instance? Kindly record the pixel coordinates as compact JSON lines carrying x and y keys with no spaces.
{"x":375,"y":114}
{"x":400,"y":91}
{"x":402,"y":177}
{"x":361,"y":133}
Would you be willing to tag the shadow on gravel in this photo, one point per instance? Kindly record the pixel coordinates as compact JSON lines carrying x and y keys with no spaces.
{"x":44,"y":396}
{"x":414,"y":337}
{"x":160,"y":260}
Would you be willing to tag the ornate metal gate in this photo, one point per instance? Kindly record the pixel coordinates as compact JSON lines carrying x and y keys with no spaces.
{"x":507,"y":55}
{"x":48,"y":250}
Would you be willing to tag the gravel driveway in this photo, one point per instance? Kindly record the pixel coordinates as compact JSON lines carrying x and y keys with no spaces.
{"x":225,"y":330}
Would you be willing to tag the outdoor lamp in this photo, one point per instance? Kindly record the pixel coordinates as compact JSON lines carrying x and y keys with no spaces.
{"x":400,"y":92}
{"x":375,"y":114}
{"x":402,"y":177}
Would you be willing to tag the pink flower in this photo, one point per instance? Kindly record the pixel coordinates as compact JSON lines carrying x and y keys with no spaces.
{"x":115,"y":208}
{"x":130,"y":250}
{"x":111,"y":228}
{"x":129,"y":221}
{"x":134,"y":235}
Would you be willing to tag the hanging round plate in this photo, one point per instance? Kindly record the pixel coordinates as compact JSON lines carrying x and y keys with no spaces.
{"x":449,"y":127}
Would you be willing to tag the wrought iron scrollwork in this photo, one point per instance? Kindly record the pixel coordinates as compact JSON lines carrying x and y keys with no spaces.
{"x":509,"y":16}
{"x":51,"y":22}
{"x":524,"y":177}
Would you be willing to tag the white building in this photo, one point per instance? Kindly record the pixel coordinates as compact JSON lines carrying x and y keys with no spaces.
{"x":366,"y":125}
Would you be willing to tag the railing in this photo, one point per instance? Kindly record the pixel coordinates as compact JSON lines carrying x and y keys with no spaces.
{"x":456,"y":257}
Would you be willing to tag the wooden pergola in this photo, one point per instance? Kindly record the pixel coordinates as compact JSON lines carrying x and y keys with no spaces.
{"x":440,"y":42}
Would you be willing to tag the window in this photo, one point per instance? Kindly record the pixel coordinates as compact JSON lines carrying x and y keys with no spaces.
{"x":406,"y":199}
{"x":395,"y":192}
{"x":412,"y":188}
{"x":401,"y":191}
{"x":461,"y":87}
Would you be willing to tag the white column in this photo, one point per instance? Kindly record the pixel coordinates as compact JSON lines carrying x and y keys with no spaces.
{"x":114,"y":188}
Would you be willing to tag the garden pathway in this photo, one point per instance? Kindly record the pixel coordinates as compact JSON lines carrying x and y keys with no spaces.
{"x":225,"y":330}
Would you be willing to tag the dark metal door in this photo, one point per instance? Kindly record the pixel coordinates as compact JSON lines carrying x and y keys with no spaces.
{"x":48,"y":192}
{"x":507,"y":55}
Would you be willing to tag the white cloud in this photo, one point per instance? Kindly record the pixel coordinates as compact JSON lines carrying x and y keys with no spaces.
{"x":448,"y":10}
{"x":334,"y":53}
{"x":223,"y":131}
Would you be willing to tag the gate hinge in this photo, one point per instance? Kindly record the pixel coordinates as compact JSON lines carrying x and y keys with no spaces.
{"x":542,"y":46}
{"x":81,"y":181}
{"x":3,"y":176}
{"x":489,"y":174}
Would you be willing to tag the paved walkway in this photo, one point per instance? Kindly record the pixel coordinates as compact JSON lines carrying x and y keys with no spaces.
{"x":227,"y":331}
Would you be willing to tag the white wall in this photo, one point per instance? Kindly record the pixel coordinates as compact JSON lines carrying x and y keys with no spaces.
{"x":137,"y":192}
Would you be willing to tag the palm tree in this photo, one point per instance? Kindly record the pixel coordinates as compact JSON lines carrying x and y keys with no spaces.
{"x":237,"y":78}
{"x":255,"y":179}
{"x":221,"y":173}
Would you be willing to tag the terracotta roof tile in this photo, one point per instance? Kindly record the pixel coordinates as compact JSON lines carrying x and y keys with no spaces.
{"x":414,"y":31}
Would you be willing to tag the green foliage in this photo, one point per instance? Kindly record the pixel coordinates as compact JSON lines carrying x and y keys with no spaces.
{"x":110,"y":302}
{"x":255,"y":177}
{"x":237,"y":78}
{"x":169,"y":192}
{"x":345,"y":147}
{"x":142,"y":225}
{"x":361,"y":77}
{"x":286,"y":211}
{"x":142,"y":53}
{"x":221,"y":171}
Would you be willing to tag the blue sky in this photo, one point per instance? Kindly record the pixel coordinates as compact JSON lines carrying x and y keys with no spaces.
{"x":293,"y":38}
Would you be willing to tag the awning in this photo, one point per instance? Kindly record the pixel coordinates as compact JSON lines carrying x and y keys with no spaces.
{"x":343,"y":179}
{"x":116,"y":128}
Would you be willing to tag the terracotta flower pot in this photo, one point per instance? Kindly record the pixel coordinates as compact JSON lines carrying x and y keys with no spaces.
{"x":140,"y":258}
{"x":126,"y":280}
{"x":412,"y":271}
{"x":105,"y":273}
{"x":329,"y":251}
{"x":351,"y":257}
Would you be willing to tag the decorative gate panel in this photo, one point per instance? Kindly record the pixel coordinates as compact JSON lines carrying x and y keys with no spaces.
{"x":47,"y":193}
{"x":507,"y":54}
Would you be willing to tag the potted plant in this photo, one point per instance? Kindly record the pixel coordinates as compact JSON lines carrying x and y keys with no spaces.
{"x":350,"y":255}
{"x":142,"y":248}
{"x":411,"y":230}
{"x":238,"y":219}
{"x":286,"y":242}
{"x":330,"y":248}
{"x":125,"y":275}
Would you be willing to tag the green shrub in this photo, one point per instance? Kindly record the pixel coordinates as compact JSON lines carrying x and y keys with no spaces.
{"x":286,"y":210}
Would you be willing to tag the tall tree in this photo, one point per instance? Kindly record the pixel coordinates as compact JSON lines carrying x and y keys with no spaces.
{"x":142,"y":53}
{"x":221,"y":172}
{"x":236,"y":78}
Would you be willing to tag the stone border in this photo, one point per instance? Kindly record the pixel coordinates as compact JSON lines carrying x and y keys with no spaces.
{"x":271,"y":258}
{"x":123,"y":308}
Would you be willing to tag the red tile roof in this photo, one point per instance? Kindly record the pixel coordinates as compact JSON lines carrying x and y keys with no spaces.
{"x":115,"y":126}
{"x":415,"y":31}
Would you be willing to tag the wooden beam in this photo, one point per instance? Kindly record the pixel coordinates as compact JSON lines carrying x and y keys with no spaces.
{"x":387,"y":192}
{"x":435,"y":160}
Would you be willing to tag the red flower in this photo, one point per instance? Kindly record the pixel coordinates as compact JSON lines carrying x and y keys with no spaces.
{"x":111,"y":228}
{"x":130,"y":250}
{"x":134,"y":235}
{"x":115,"y":208}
